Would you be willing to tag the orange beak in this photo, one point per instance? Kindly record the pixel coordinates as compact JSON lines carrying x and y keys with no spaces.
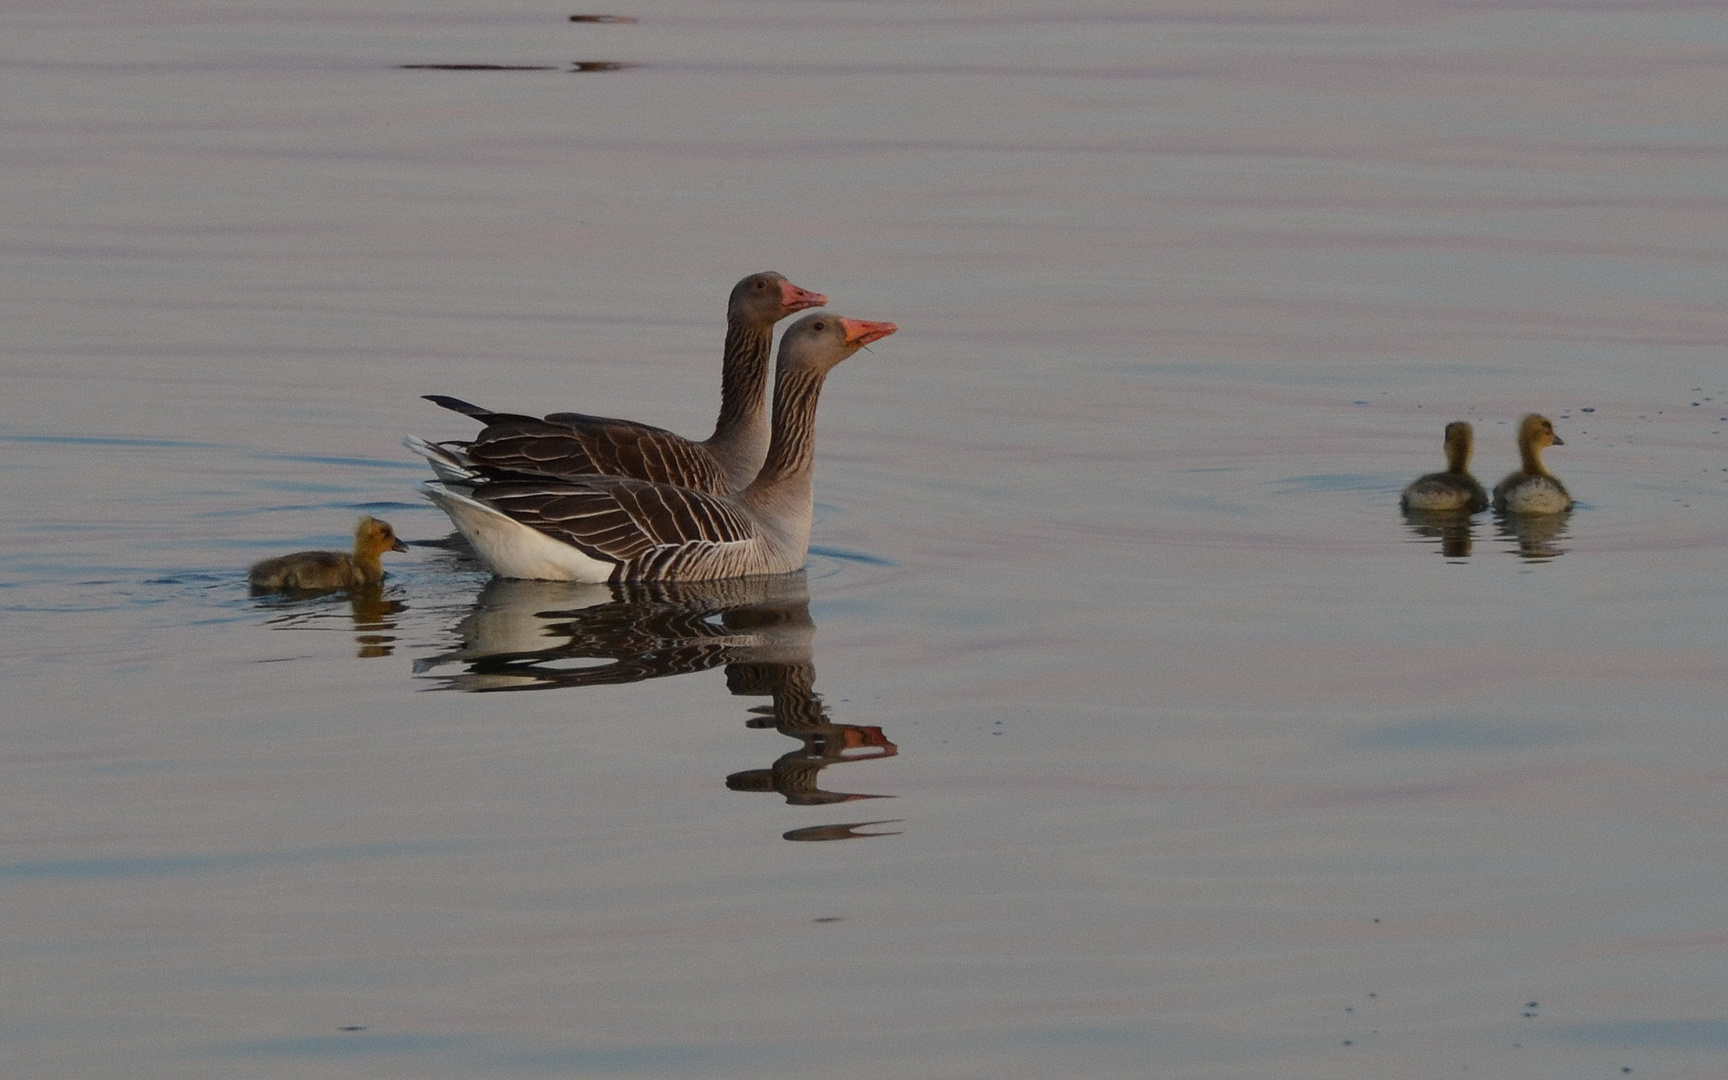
{"x":792,"y":298}
{"x":859,"y":332}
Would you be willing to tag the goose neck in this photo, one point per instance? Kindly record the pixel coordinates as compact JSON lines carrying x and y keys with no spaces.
{"x":743,"y":377}
{"x":792,"y":452}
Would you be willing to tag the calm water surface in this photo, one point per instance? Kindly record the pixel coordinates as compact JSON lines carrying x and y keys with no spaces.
{"x":1120,"y":726}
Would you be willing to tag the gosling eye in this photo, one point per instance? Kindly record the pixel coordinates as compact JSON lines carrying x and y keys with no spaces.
{"x":818,"y":325}
{"x":760,"y":284}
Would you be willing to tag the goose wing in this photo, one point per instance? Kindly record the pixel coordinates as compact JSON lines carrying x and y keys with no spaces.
{"x":629,"y":522}
{"x":576,"y":445}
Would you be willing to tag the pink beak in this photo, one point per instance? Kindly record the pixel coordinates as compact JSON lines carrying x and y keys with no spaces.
{"x":792,"y":298}
{"x":859,"y":332}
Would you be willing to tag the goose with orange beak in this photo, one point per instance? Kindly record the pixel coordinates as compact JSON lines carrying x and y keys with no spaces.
{"x":618,"y":529}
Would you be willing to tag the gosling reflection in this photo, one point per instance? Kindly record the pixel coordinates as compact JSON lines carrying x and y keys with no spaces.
{"x":1537,"y":537}
{"x":537,"y":635}
{"x":1454,"y":529}
{"x":372,"y":612}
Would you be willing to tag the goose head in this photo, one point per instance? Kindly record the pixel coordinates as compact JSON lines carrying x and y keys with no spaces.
{"x":821,"y":340}
{"x":766,"y":298}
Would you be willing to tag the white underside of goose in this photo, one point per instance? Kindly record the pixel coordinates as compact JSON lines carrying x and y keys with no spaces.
{"x":512,"y":549}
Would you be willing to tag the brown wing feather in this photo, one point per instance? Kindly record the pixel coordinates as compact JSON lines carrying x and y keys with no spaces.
{"x":573,"y":446}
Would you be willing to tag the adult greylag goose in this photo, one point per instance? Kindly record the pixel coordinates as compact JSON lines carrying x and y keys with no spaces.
{"x":574,"y":445}
{"x":1452,"y":490}
{"x":310,"y":571}
{"x":1533,"y":489}
{"x":619,"y":529}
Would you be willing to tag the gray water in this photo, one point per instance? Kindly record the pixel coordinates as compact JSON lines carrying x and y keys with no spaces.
{"x":1182,"y":752}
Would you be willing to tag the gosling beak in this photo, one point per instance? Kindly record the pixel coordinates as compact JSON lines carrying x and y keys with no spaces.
{"x":1558,"y":441}
{"x":859,"y":332}
{"x":792,"y":298}
{"x":399,"y":545}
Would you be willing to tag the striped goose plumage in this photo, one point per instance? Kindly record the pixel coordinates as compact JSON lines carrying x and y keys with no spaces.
{"x":575,"y":445}
{"x":624,"y":529}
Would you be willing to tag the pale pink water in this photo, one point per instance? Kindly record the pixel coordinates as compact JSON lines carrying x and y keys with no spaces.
{"x":1207,"y":764}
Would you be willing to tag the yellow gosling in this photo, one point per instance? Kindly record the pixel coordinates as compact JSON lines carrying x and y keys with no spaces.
{"x":1452,"y":490}
{"x":324,"y":570}
{"x":1533,"y":489}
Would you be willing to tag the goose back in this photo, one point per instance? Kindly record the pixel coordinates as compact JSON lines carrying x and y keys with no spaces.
{"x":570,"y":445}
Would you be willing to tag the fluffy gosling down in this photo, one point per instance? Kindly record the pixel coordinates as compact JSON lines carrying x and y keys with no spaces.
{"x":1533,"y":489}
{"x":1452,"y":490}
{"x":315,"y":570}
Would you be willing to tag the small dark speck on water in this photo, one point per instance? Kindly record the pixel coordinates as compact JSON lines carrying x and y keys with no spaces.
{"x":1531,"y":1005}
{"x":1625,"y":1068}
{"x":1360,"y":401}
{"x":1588,"y":408}
{"x":352,"y":1027}
{"x":601,"y":65}
{"x":1347,"y":1042}
{"x":1372,"y":994}
{"x":604,"y":18}
{"x":829,"y":918}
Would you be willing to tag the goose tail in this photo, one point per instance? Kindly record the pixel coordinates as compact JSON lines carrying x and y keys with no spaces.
{"x":507,"y":546}
{"x":444,"y":401}
{"x":449,"y":463}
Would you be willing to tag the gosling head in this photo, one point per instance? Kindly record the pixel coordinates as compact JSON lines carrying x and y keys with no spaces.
{"x":1460,"y":437}
{"x":373,"y":537}
{"x":766,"y":298}
{"x":1537,"y":432}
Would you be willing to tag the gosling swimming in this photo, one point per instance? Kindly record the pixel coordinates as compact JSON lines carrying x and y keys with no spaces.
{"x":1452,"y":490}
{"x":324,"y":570}
{"x":1533,"y":489}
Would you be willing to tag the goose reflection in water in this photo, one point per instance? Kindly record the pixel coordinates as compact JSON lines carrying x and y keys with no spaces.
{"x":540,"y":635}
{"x":1538,"y":536}
{"x":1455,"y":529}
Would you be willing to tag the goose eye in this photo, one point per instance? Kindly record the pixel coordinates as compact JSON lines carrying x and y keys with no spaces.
{"x":760,"y":284}
{"x":818,"y":325}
